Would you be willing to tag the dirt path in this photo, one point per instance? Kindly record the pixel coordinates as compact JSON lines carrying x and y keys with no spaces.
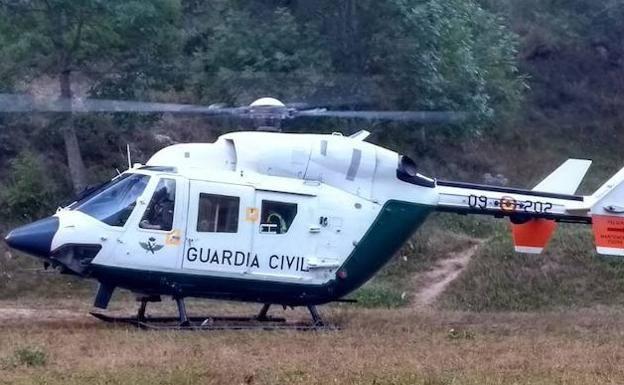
{"x":22,"y":315}
{"x":444,"y":272}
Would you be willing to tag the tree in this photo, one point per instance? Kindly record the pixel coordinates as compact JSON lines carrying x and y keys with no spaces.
{"x":423,"y":54}
{"x":242,"y":53}
{"x":62,"y":37}
{"x":392,"y":54}
{"x":28,"y":193}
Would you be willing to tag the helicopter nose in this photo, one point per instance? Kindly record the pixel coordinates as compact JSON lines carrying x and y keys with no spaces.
{"x":35,"y":238}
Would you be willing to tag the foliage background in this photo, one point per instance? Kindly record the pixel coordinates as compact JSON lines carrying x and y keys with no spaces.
{"x":543,"y":78}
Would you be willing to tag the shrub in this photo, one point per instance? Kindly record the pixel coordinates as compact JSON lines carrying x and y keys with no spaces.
{"x":27,"y":356}
{"x":29,"y":193}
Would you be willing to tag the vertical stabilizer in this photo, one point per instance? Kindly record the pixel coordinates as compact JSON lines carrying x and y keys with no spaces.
{"x":607,"y":212}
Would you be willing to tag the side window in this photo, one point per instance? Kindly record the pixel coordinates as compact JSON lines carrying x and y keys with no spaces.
{"x":159,"y":212}
{"x":277,"y":217}
{"x":217,"y":214}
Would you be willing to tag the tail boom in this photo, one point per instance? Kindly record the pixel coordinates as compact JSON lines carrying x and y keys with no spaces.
{"x":519,"y":205}
{"x":534,"y":213}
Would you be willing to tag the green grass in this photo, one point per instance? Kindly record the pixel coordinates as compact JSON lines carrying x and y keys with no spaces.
{"x":380,"y":295}
{"x":440,"y":235}
{"x":568,"y":274}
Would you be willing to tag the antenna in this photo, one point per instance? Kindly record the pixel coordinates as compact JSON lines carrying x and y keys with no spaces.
{"x":129,"y":158}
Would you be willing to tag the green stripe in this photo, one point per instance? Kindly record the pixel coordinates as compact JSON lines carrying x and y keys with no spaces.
{"x":395,"y":224}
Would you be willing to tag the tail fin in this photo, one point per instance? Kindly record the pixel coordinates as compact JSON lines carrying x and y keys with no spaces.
{"x":567,"y":178}
{"x":533,"y":236}
{"x":607,"y":210}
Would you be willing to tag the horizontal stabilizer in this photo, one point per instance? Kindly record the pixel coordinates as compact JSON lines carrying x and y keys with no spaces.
{"x":533,"y":236}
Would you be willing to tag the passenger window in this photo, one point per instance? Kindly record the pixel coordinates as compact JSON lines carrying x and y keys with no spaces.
{"x":277,"y":217}
{"x":159,"y":212}
{"x":217,"y":214}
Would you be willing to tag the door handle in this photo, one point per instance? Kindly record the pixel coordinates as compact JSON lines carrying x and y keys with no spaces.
{"x":316,"y":263}
{"x":315,"y":229}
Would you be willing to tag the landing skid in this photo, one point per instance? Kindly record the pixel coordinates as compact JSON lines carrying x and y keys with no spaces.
{"x":260,"y":322}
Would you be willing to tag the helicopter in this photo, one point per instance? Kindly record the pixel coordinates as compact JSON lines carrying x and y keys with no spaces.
{"x":290,"y":219}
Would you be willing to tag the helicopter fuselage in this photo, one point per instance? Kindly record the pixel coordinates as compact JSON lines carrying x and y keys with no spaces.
{"x":290,"y":219}
{"x":264,"y":217}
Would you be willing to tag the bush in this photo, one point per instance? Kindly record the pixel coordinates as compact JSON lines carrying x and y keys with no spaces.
{"x":29,"y":193}
{"x":25,"y":356}
{"x":29,"y":356}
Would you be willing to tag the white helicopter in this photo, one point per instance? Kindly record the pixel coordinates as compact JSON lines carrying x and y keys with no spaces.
{"x":284,"y":219}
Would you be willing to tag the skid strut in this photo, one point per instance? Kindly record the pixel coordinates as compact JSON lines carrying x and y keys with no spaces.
{"x":142,"y":308}
{"x":141,"y":312}
{"x":262,"y":316}
{"x":316,"y":317}
{"x":184,"y":321}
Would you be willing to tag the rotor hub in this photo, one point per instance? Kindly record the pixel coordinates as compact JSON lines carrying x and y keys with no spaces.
{"x":268,"y":113}
{"x":267,"y":102}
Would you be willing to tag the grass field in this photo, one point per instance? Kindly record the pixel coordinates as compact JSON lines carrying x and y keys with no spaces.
{"x":65,"y":346}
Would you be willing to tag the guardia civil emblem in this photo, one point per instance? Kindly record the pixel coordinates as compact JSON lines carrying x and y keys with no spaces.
{"x":151,"y":245}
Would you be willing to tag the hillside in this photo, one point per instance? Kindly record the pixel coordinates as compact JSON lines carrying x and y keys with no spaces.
{"x":548,"y":83}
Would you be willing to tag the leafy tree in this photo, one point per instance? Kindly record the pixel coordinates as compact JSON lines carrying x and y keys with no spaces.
{"x":61,"y":37}
{"x":424,"y":54}
{"x":29,"y":193}
{"x":240,"y":55}
{"x":573,"y":52}
{"x":393,"y":54}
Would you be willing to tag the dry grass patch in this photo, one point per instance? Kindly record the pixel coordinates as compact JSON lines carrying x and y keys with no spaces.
{"x":375,"y":346}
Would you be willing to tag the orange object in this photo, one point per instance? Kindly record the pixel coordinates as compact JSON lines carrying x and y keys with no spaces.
{"x":173,"y":238}
{"x":508,"y":204}
{"x":608,"y":233}
{"x":252,"y":214}
{"x":533,"y":236}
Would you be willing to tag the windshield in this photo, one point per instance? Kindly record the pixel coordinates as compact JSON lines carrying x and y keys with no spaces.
{"x":114,"y":204}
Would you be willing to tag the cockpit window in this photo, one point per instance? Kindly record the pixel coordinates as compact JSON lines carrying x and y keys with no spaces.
{"x":159,"y":212}
{"x":114,"y":204}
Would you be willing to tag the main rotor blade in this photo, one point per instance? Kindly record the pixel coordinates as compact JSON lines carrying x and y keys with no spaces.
{"x":27,"y":103}
{"x":434,"y":117}
{"x":20,"y":103}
